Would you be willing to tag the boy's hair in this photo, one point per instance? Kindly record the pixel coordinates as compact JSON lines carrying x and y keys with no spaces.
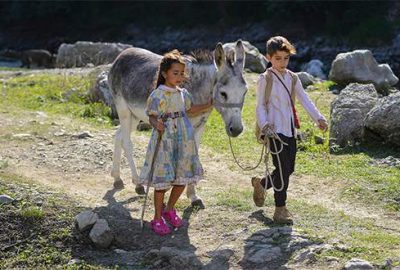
{"x":279,"y":43}
{"x":169,"y":58}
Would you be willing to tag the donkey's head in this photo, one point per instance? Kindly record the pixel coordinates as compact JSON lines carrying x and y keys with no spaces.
{"x":230,"y":87}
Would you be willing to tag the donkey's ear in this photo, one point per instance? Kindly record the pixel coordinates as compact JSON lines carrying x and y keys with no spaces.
{"x":219,"y":55}
{"x":240,"y":55}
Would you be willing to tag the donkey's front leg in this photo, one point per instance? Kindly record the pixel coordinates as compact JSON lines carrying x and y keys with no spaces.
{"x":191,"y":194}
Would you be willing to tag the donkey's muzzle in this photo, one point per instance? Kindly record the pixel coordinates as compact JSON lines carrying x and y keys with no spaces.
{"x":234,"y":130}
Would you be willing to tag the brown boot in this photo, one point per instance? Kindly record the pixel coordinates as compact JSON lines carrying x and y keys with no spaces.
{"x":282,"y":216}
{"x":258,"y":192}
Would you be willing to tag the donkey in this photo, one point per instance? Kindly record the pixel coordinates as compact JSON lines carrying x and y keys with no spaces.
{"x":211,"y":75}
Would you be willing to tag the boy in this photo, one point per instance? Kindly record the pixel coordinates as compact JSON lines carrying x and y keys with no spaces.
{"x":276,"y":89}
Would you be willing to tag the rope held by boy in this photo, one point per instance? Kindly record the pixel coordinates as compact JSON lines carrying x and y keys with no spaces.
{"x":266,"y":150}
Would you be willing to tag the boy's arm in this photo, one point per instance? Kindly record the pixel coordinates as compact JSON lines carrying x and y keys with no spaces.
{"x":307,"y":103}
{"x":261,"y":107}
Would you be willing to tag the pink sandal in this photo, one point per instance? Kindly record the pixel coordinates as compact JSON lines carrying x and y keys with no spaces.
{"x":172,"y":218}
{"x":159,"y":227}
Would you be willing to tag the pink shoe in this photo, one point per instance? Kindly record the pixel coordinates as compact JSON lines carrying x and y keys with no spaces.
{"x":159,"y":227}
{"x":172,"y":218}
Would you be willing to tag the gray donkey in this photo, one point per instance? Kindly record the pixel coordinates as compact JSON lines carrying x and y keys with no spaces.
{"x":215,"y":75}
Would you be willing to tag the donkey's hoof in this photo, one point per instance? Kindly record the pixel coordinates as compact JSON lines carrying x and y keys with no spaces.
{"x":118,"y":184}
{"x":198,"y":204}
{"x":140,"y":190}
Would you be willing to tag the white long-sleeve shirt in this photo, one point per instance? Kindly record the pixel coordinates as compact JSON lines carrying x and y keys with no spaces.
{"x":278,"y":111}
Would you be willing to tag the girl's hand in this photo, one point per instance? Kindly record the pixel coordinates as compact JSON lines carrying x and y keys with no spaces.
{"x":322,"y":125}
{"x":160,"y":125}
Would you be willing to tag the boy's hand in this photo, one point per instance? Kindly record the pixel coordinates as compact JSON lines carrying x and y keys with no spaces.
{"x":268,"y":130}
{"x":322,"y":125}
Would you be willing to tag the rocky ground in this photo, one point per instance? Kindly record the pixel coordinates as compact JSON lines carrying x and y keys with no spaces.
{"x":62,"y":166}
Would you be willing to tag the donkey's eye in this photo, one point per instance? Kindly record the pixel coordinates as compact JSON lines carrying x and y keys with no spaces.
{"x":224,"y":95}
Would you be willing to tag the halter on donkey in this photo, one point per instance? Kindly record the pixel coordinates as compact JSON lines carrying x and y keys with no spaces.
{"x":210,"y":75}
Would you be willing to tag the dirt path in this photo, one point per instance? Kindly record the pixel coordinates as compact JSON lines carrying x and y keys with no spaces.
{"x":59,"y":155}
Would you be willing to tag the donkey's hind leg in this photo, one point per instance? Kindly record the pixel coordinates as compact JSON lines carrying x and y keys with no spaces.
{"x":126,"y":128}
{"x":115,"y":172}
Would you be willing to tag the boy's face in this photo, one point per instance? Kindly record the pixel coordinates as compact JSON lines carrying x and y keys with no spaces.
{"x":279,"y":60}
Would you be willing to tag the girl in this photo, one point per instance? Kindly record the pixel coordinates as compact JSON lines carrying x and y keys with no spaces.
{"x":176,"y":163}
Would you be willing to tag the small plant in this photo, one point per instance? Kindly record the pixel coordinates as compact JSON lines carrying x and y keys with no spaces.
{"x":32,"y":212}
{"x":3,"y":164}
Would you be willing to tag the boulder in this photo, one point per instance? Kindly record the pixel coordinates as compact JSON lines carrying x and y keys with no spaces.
{"x":85,"y":220}
{"x":100,"y":90}
{"x":348,"y":113}
{"x":383,"y":119}
{"x":101,"y":234}
{"x":360,"y":66}
{"x":306,"y":79}
{"x":83,"y":53}
{"x":254,"y":60}
{"x":358,"y":264}
{"x":314,"y":68}
{"x":5,"y":199}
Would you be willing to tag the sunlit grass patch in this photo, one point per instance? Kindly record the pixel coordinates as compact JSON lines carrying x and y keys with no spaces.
{"x":55,"y":94}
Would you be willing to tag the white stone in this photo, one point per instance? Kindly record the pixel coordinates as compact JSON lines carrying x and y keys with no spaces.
{"x":5,"y":199}
{"x":358,"y":264}
{"x":360,"y":66}
{"x":101,"y":234}
{"x":86,"y":219}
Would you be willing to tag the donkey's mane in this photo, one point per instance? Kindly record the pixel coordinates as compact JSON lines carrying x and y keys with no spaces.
{"x":202,"y":56}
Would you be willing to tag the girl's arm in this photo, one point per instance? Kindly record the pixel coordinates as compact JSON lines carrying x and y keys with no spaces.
{"x":156,"y":123}
{"x":200,"y":108}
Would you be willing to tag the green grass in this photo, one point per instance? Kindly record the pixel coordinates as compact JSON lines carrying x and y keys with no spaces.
{"x":372,"y":183}
{"x":32,"y":212}
{"x":54,"y":94}
{"x":45,"y":234}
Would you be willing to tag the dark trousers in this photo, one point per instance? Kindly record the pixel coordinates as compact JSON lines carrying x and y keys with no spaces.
{"x":287,"y":159}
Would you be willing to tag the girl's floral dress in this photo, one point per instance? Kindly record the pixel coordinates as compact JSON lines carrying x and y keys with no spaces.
{"x":177,"y":161}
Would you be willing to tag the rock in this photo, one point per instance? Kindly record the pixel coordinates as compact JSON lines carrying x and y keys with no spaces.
{"x":254,"y":60}
{"x":357,"y":264}
{"x":360,"y":66}
{"x":100,"y":90}
{"x":143,"y":126}
{"x":180,"y":259}
{"x":348,"y":113}
{"x":383,"y":119}
{"x":319,"y":140}
{"x":82,"y":53}
{"x":83,"y":135}
{"x":86,"y":219}
{"x":5,"y":199}
{"x":264,"y":254}
{"x":314,"y":68}
{"x":389,"y":161}
{"x":306,"y":79}
{"x":74,"y":261}
{"x":22,"y":136}
{"x":101,"y":234}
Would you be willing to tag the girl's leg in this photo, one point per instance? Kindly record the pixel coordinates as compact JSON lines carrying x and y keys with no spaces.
{"x":158,"y":203}
{"x":174,"y":196}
